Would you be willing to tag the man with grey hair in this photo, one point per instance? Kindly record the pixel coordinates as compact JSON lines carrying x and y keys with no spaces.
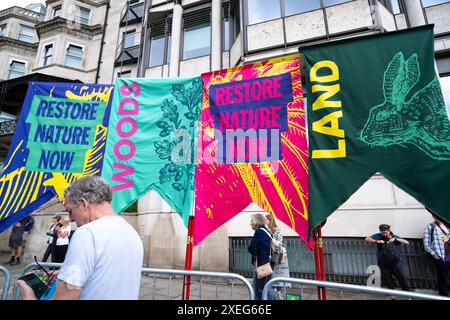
{"x":104,"y":258}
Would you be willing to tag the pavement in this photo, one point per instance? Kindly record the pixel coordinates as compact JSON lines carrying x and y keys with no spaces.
{"x":165,"y":287}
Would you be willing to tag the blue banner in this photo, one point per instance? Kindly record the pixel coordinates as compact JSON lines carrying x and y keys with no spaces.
{"x":60,"y":136}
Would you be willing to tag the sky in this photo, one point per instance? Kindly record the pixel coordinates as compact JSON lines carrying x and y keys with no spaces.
{"x":20,"y":3}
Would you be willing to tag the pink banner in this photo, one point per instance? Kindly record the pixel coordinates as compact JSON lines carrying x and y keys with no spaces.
{"x":252,"y":146}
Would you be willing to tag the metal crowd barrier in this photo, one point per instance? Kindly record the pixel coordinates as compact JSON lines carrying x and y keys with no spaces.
{"x":197,"y":289}
{"x":281,"y":282}
{"x":6,"y":282}
{"x":170,"y":274}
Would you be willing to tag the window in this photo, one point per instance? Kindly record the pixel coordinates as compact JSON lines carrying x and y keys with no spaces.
{"x":197,"y":41}
{"x":56,"y":11}
{"x":48,"y":55}
{"x":236,"y":17}
{"x":259,"y":13}
{"x":26,"y":34}
{"x":292,"y":7}
{"x":160,"y":39}
{"x":392,"y":5}
{"x":429,"y":3}
{"x":82,"y":15}
{"x":226,"y":34}
{"x":157,"y":50}
{"x":443,"y":65}
{"x":124,"y":74}
{"x":74,"y":56}
{"x":197,"y":34}
{"x":16,"y":69}
{"x":226,"y":27}
{"x":129,"y":38}
{"x":445,"y":86}
{"x":328,"y":3}
{"x":2,"y":30}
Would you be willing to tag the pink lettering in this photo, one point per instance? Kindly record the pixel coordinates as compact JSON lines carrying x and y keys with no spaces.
{"x":276,"y":88}
{"x":256,"y":91}
{"x":127,"y":91}
{"x":120,"y":177}
{"x":276,"y":117}
{"x":121,"y":132}
{"x":220,"y":96}
{"x":128,"y":112}
{"x":131,"y":150}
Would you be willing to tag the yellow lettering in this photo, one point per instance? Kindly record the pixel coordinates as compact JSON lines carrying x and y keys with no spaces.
{"x":324,"y":64}
{"x":333,"y":128}
{"x":340,"y":152}
{"x":322,"y":101}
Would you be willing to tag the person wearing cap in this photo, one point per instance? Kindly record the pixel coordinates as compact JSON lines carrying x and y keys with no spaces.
{"x":388,"y":256}
{"x":435,"y":235}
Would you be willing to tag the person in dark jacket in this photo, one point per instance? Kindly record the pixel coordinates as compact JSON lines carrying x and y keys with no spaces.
{"x":388,"y":257}
{"x":259,"y":248}
{"x":16,"y":243}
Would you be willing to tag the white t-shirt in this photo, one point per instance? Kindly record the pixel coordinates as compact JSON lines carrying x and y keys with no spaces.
{"x":63,"y":241}
{"x":104,"y":259}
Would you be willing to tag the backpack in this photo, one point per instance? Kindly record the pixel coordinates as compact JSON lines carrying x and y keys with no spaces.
{"x":28,"y":223}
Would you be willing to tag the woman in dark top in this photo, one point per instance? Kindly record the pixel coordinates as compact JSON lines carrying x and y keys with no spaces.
{"x":260,"y":250}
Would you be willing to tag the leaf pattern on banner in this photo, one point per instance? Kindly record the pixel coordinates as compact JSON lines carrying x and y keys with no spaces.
{"x":186,"y":98}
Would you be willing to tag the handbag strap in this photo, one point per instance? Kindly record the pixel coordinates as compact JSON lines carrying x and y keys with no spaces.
{"x":264,"y":229}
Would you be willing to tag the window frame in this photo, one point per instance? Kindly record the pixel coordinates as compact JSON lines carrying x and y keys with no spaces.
{"x":79,"y":18}
{"x":283,"y":14}
{"x":44,"y":56}
{"x":13,"y":60}
{"x":188,"y":22}
{"x":124,"y":37}
{"x":432,"y":5}
{"x":121,"y":73}
{"x":24,"y":26}
{"x":55,"y":8}
{"x":3,"y":29}
{"x":67,"y":54}
{"x":167,"y":35}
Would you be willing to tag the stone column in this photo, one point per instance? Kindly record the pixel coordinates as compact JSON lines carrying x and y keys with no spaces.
{"x":414,"y":13}
{"x":175,"y":49}
{"x":216,"y":35}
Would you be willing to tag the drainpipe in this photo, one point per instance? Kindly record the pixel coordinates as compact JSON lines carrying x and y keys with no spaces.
{"x":216,"y":35}
{"x":102,"y":43}
{"x":177,"y":18}
{"x":143,"y":48}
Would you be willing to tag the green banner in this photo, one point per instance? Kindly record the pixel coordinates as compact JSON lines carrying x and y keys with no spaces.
{"x":61,"y":132}
{"x":152,"y":140}
{"x":375,"y":105}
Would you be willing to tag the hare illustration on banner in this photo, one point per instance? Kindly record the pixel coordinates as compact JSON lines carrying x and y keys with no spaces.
{"x":373,"y":110}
